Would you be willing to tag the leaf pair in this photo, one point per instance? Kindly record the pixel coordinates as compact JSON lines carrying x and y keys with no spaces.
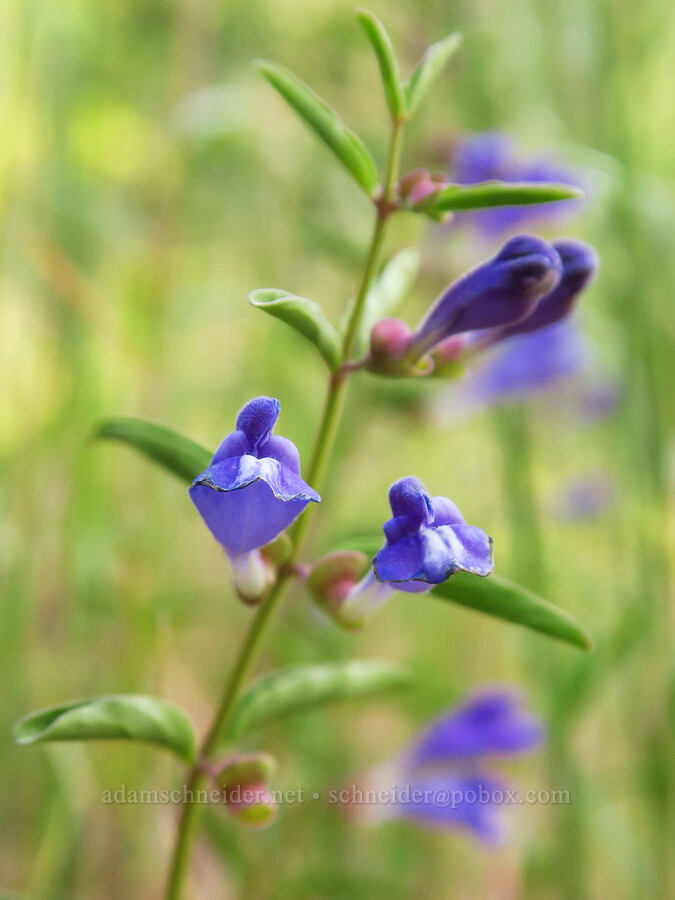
{"x":149,"y":720}
{"x":404,"y":98}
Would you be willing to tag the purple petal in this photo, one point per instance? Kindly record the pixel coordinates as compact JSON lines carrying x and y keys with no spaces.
{"x":407,"y":497}
{"x":284,"y":451}
{"x":246,"y":502}
{"x":585,"y":496}
{"x":434,"y":554}
{"x":483,"y":158}
{"x":527,"y":363}
{"x":235,"y":444}
{"x":446,"y":512}
{"x":580,"y":262}
{"x":448,"y":801}
{"x":257,"y":419}
{"x":501,"y":291}
{"x":493,"y":723}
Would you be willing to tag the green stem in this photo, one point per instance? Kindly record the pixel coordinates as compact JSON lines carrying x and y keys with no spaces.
{"x":323,"y":446}
{"x":384,"y":210}
{"x":233,"y":688}
{"x":394,"y":161}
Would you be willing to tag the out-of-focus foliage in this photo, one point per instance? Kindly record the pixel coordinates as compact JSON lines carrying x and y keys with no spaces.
{"x":149,"y":180}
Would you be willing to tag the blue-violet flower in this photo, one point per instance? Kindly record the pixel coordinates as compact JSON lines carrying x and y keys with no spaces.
{"x":252,"y":491}
{"x":441,"y":780}
{"x":427,"y":541}
{"x":579,"y":265}
{"x":501,"y":291}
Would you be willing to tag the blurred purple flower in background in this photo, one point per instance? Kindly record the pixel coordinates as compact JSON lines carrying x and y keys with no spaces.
{"x":492,"y":155}
{"x":252,"y":491}
{"x":427,"y":541}
{"x":601,"y":398}
{"x":519,"y":367}
{"x":584,"y":497}
{"x":443,"y":780}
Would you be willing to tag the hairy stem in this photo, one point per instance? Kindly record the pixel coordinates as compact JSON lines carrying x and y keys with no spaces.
{"x":323,"y":445}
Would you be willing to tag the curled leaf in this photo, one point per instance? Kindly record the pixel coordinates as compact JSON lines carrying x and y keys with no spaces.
{"x":131,"y":717}
{"x":305,"y":316}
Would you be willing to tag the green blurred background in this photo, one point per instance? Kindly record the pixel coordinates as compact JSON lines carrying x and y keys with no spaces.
{"x":148,"y":180}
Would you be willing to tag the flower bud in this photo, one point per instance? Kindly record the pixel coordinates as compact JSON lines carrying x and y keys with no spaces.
{"x":418,"y":186}
{"x":409,"y":181}
{"x":447,"y":356}
{"x":389,"y":343}
{"x":252,"y":575}
{"x":579,"y":265}
{"x":243,"y":781}
{"x":389,"y":339}
{"x":332,"y":578}
{"x":503,"y":290}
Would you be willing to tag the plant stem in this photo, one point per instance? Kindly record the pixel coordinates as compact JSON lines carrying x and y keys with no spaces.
{"x":323,"y":445}
{"x":233,"y":688}
{"x":383,"y":212}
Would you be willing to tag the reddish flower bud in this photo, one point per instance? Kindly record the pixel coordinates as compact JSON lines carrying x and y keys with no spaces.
{"x":389,"y":339}
{"x":333,"y":577}
{"x":417,"y":186}
{"x":243,"y":781}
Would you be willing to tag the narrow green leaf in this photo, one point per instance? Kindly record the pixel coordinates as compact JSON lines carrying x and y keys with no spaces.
{"x":429,"y":68}
{"x":172,"y":450}
{"x":132,"y":717}
{"x":496,"y":596}
{"x":386,"y":58}
{"x":325,"y":122}
{"x":305,"y":687}
{"x":305,"y":316}
{"x":498,"y":193}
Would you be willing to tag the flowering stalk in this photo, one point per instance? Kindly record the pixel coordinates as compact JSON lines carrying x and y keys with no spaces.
{"x":323,"y":445}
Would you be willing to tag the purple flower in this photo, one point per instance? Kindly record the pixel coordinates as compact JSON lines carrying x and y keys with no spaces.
{"x":427,"y":541}
{"x":492,"y":156}
{"x":441,"y":779}
{"x":252,"y":490}
{"x":579,"y":265}
{"x":488,"y":724}
{"x":523,"y":365}
{"x":585,"y":497}
{"x":501,"y":291}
